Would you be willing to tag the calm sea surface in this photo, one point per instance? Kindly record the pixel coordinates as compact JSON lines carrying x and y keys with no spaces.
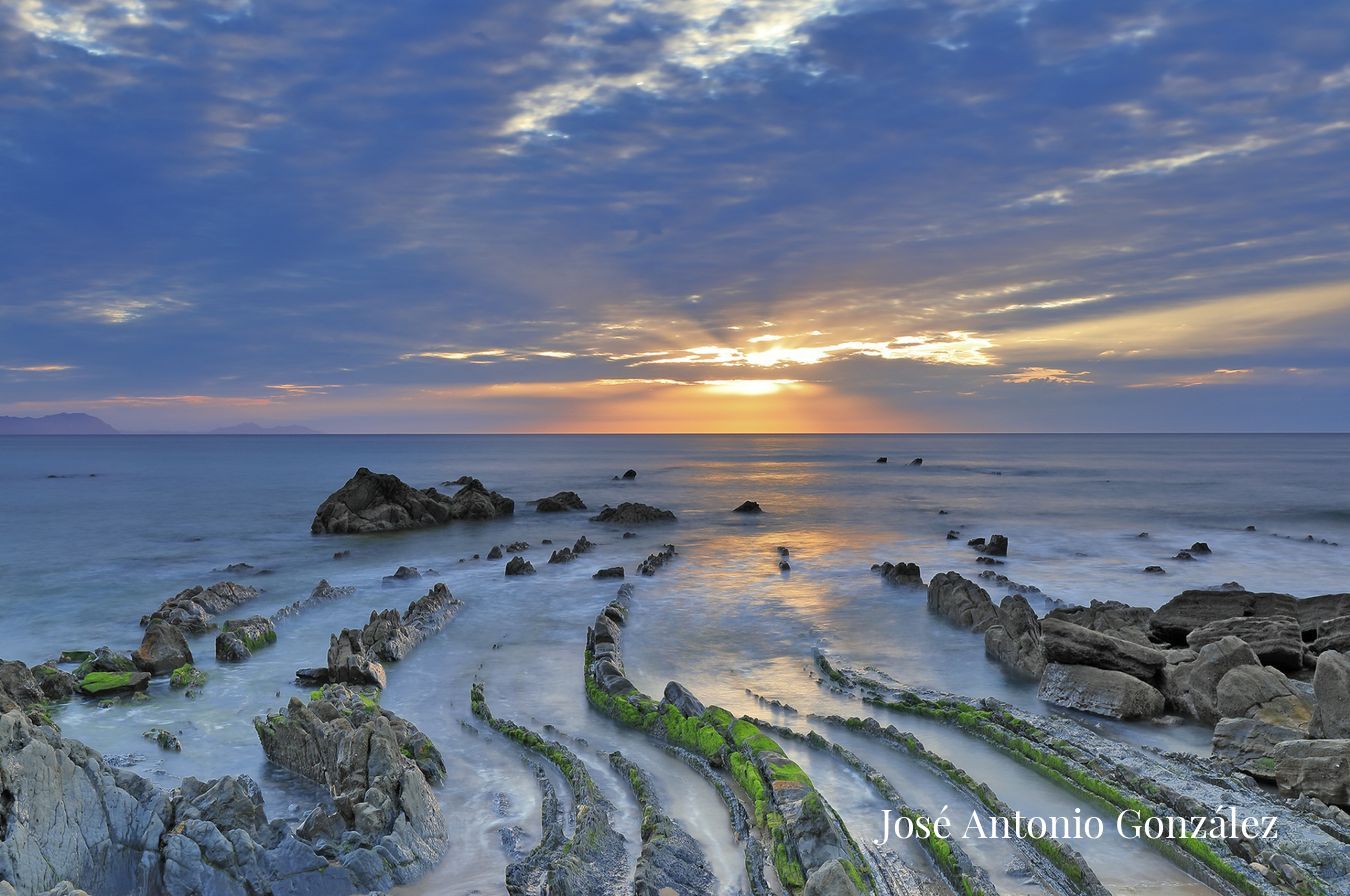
{"x":84,"y":556}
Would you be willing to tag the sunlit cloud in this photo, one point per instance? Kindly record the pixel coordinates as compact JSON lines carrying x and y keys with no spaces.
{"x":1045,"y":375}
{"x":697,"y":38}
{"x":39,"y":368}
{"x":1050,"y":304}
{"x":296,"y":389}
{"x":1171,"y":163}
{"x":953,"y":347}
{"x":117,"y":310}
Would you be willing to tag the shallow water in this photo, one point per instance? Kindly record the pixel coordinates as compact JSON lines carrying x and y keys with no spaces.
{"x":86,"y":556}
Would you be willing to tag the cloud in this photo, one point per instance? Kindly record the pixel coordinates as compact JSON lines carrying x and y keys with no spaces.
{"x":116,"y":310}
{"x":1045,"y":375}
{"x":38,"y":368}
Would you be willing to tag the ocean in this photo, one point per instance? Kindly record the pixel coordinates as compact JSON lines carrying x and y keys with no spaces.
{"x":99,"y":530}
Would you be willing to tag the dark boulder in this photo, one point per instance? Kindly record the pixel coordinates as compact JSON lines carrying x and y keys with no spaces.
{"x":610,"y":572}
{"x":1276,"y":639}
{"x":495,"y":553}
{"x":882,"y":460}
{"x":1075,"y":645}
{"x":1015,"y":641}
{"x":1199,"y":548}
{"x":678,"y":695}
{"x":631,"y":513}
{"x":381,"y":502}
{"x":916,"y":462}
{"x":749,"y":507}
{"x":562,"y":555}
{"x":560,"y":503}
{"x":1155,"y":570}
{"x":403,"y":574}
{"x":1190,"y":610}
{"x":241,"y":637}
{"x":163,"y":649}
{"x":629,"y":474}
{"x":962,"y":601}
{"x":997,"y":546}
{"x":900,"y":573}
{"x":519,"y":566}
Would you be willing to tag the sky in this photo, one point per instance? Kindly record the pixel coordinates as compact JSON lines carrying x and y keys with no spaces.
{"x":677,"y":215}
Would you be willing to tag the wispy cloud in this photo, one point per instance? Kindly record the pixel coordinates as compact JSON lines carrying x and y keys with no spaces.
{"x":38,"y":368}
{"x":116,"y":310}
{"x":1046,"y":375}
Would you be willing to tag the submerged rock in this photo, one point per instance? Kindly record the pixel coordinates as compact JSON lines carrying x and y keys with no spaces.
{"x":562,"y":555}
{"x":380,"y":502}
{"x":357,"y":656}
{"x":996,"y":546}
{"x":900,"y":573}
{"x":166,"y":739}
{"x":403,"y":574}
{"x":1104,"y":692}
{"x":631,"y":513}
{"x":560,"y":503}
{"x":749,"y":507}
{"x":655,"y":561}
{"x":495,"y":553}
{"x":609,"y":572}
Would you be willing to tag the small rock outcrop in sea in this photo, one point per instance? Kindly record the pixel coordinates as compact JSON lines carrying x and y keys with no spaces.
{"x":962,"y":601}
{"x":749,"y":507}
{"x":165,"y":739}
{"x":1155,"y":570}
{"x":192,"y":608}
{"x":900,"y":573}
{"x":609,"y":572}
{"x":627,"y":474}
{"x":106,"y":673}
{"x":495,"y":553}
{"x":882,"y":460}
{"x":560,"y":503}
{"x":1015,"y":640}
{"x":1003,"y":581}
{"x":356,"y":656}
{"x":163,"y":649}
{"x":916,"y":462}
{"x":562,"y":555}
{"x":380,"y":502}
{"x":995,"y":546}
{"x":1104,"y":692}
{"x":386,"y":825}
{"x":239,"y":638}
{"x":321,"y":593}
{"x":403,"y":574}
{"x":582,"y":545}
{"x":655,"y":561}
{"x":631,"y":513}
{"x":519,"y":566}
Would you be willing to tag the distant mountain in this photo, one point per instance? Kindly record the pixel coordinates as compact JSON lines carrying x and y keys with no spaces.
{"x":253,"y":429}
{"x":55,"y":425}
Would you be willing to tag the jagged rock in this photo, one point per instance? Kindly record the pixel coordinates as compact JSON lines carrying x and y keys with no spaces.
{"x":671,"y":860}
{"x":560,"y":503}
{"x":1331,"y":690}
{"x":1190,"y":610}
{"x":1277,"y":640}
{"x":1316,"y":768}
{"x":357,"y":657}
{"x":192,"y":608}
{"x":386,"y":823}
{"x":961,"y":601}
{"x":1105,"y":692}
{"x":324,"y":591}
{"x":495,"y":553}
{"x":583,"y":545}
{"x":609,"y":572}
{"x":562,"y":555}
{"x":655,"y":561}
{"x":241,"y":637}
{"x":679,"y":696}
{"x":519,"y":566}
{"x":348,"y":662}
{"x":1200,"y":547}
{"x":882,"y":460}
{"x":749,"y":507}
{"x":996,"y":546}
{"x":55,"y":684}
{"x":1192,"y":687}
{"x":380,"y":502}
{"x":163,"y":649}
{"x":900,"y":573}
{"x":1078,"y":646}
{"x":19,"y":688}
{"x":631,"y":513}
{"x":1332,"y":634}
{"x":1015,"y":641}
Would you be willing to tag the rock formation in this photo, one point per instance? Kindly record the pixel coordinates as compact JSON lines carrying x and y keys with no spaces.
{"x":380,"y":502}
{"x":192,"y":608}
{"x":630,"y":513}
{"x":560,"y":503}
{"x":962,"y":601}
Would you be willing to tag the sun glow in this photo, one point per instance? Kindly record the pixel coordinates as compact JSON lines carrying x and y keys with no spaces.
{"x":747,"y":387}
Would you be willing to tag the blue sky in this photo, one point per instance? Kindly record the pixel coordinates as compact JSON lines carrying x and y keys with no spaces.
{"x":677,"y":215}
